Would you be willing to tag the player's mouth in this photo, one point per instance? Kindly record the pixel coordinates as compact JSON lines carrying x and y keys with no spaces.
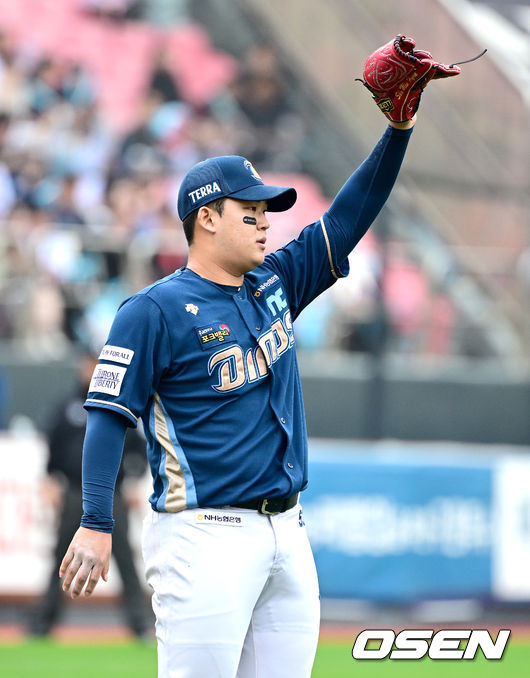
{"x":261,"y":242}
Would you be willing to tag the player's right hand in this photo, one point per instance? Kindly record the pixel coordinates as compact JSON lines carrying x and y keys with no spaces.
{"x":87,"y":559}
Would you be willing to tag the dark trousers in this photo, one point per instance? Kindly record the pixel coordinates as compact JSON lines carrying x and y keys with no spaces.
{"x":136,"y":608}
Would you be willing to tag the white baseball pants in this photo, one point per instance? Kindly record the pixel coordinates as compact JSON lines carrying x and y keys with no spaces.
{"x":235,"y":593}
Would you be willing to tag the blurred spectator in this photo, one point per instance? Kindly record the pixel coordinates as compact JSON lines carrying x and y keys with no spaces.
{"x":441,"y":319}
{"x":113,"y":10}
{"x":8,"y":194}
{"x":42,"y":332}
{"x":162,"y":80}
{"x":202,"y":135}
{"x":170,"y":247}
{"x":61,"y":490}
{"x":406,"y":294}
{"x":139,"y":152}
{"x":93,"y":325}
{"x":45,"y":85}
{"x":136,"y":203}
{"x":77,"y":87}
{"x":29,"y":173}
{"x":274,"y":132}
{"x":359,"y":323}
{"x":83,"y":150}
{"x":14,"y":86}
{"x":261,"y":96}
{"x":63,"y":210}
{"x":165,"y":12}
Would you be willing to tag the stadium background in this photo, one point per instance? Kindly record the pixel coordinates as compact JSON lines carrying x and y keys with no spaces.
{"x":415,"y":368}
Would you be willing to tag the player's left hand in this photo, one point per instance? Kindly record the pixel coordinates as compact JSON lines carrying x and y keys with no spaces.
{"x":396,"y":75}
{"x":87,"y":559}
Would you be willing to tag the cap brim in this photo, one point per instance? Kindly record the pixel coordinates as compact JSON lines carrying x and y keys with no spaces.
{"x":279,"y":198}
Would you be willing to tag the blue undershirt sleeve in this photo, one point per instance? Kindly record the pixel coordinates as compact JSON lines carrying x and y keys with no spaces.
{"x":363,"y":195}
{"x":102,"y":452}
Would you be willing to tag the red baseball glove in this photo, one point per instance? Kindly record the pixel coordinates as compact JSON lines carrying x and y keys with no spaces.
{"x":396,"y":75}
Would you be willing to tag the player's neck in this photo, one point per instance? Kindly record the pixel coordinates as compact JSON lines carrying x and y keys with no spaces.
{"x":214,"y":272}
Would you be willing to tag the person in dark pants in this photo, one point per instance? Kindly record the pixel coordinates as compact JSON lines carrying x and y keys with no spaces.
{"x":61,"y":489}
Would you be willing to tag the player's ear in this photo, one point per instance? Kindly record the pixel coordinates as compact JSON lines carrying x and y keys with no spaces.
{"x":206,"y":219}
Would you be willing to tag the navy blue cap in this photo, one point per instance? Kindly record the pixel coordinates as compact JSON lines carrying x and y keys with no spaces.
{"x":229,"y":176}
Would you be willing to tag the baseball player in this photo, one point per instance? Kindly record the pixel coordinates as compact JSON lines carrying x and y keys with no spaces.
{"x":206,"y":358}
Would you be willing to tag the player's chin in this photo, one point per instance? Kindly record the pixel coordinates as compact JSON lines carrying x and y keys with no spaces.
{"x":258,"y":258}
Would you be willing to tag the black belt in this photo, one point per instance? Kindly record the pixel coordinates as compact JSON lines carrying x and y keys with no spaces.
{"x":269,"y":507}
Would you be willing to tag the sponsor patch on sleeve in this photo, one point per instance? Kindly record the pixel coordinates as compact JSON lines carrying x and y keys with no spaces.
{"x":214,"y":335}
{"x":107,"y":379}
{"x":117,"y":354}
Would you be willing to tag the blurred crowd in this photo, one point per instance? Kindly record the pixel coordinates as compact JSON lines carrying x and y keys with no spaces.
{"x":88,"y":213}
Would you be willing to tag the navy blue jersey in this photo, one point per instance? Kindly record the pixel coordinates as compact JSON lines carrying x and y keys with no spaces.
{"x":212,"y":372}
{"x":211,"y":369}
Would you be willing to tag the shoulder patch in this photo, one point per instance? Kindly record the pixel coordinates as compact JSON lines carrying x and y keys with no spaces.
{"x":117,"y":354}
{"x":107,"y":379}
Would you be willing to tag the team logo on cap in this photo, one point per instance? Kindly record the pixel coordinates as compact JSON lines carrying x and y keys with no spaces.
{"x":252,"y":170}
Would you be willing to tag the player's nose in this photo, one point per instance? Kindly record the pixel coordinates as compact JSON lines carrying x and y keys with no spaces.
{"x":263,"y":222}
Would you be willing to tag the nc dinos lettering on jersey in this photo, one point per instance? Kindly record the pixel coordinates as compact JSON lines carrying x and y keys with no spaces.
{"x":236,"y":367}
{"x":276,"y":301}
{"x":203,"y":191}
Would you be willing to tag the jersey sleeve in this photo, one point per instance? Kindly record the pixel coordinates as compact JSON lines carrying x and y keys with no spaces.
{"x":102,"y":453}
{"x":307,"y":266}
{"x":133,"y":360}
{"x":362,"y":197}
{"x":319,"y":256}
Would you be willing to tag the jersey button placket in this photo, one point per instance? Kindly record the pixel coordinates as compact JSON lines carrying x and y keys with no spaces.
{"x":247,"y":312}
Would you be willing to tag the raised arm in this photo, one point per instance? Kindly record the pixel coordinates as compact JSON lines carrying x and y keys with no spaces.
{"x":361,"y":198}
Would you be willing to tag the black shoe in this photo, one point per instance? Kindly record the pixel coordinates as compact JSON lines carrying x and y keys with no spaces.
{"x":145,"y":634}
{"x":38,"y":628}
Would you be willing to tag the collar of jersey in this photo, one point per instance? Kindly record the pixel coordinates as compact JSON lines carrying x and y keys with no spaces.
{"x":227,"y":289}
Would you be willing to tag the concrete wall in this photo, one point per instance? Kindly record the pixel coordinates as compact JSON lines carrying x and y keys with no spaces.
{"x":418,"y":409}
